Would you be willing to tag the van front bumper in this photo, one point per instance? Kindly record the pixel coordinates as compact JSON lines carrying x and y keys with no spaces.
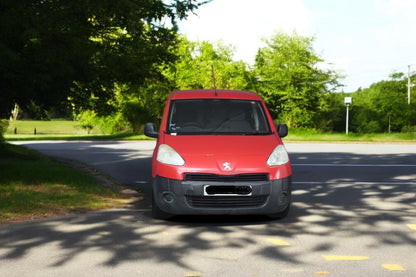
{"x":180,"y":197}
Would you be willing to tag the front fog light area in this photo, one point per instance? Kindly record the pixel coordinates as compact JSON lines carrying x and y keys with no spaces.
{"x":279,"y":156}
{"x":168,"y":155}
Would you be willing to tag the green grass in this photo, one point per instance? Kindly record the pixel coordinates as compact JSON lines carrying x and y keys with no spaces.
{"x":70,"y":130}
{"x":59,"y":130}
{"x":317,"y":136}
{"x":33,"y":186}
{"x":53,"y":127}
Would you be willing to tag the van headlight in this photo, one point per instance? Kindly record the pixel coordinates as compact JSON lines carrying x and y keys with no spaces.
{"x":168,"y":155}
{"x":279,"y":156}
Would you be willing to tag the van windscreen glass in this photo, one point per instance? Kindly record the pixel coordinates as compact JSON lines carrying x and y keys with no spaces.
{"x":217,"y":116}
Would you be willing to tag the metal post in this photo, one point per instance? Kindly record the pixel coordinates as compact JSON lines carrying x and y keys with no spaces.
{"x":347,"y":101}
{"x":346,"y":124}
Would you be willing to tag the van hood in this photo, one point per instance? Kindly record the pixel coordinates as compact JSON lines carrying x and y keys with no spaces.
{"x":221,"y":154}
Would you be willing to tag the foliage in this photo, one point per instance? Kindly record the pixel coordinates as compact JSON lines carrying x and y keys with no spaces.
{"x":197,"y":61}
{"x":383,"y":107}
{"x":290,"y":80}
{"x":192,"y":70}
{"x":136,"y":105}
{"x":52,"y":50}
{"x":88,"y":120}
{"x":113,"y":124}
{"x":4,"y":124}
{"x":114,"y":63}
{"x":331,"y":113}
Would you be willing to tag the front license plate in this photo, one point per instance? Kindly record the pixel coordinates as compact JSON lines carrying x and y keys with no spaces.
{"x":232,"y":190}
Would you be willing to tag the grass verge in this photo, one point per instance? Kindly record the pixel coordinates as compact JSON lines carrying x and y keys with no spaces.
{"x":23,"y":130}
{"x":33,"y":186}
{"x":299,"y":135}
{"x":70,"y":130}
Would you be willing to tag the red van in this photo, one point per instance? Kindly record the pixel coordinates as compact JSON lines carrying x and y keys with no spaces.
{"x":218,"y":152}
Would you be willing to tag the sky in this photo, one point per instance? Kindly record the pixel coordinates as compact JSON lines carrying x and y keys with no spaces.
{"x":363,"y":40}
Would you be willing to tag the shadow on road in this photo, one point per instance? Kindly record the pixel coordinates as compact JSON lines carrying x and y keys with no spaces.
{"x":339,"y":205}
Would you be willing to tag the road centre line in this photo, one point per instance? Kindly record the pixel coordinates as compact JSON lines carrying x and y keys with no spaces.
{"x":355,"y":183}
{"x":356,"y":165}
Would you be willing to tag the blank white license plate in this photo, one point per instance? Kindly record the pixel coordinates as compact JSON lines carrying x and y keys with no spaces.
{"x":230,"y":190}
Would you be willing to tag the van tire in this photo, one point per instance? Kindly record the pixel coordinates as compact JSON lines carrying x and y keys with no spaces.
{"x":157,"y":213}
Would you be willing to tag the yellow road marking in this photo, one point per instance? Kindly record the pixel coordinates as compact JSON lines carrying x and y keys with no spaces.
{"x":393,"y":267}
{"x":344,"y":258}
{"x":322,"y":273}
{"x":279,"y":242}
{"x":412,"y":226}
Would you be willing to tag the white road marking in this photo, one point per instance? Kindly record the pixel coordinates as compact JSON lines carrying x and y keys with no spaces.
{"x":356,"y":165}
{"x":355,"y":183}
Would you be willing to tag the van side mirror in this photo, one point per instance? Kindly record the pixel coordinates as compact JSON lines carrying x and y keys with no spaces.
{"x":150,"y":130}
{"x":282,"y":130}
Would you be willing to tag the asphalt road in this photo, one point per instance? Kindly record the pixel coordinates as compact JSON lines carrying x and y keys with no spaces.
{"x":353,"y":214}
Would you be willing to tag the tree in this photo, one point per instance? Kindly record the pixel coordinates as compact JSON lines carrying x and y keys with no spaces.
{"x":191,"y":70}
{"x":383,"y":107}
{"x":290,"y":80}
{"x":88,"y":120}
{"x":55,"y":49}
{"x":331,"y":112}
{"x":197,"y":60}
{"x":139,"y":105}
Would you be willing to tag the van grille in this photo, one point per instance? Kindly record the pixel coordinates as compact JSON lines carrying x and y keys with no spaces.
{"x":252,"y":177}
{"x":225,"y":201}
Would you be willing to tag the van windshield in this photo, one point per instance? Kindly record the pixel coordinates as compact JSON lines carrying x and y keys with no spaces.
{"x":217,"y":116}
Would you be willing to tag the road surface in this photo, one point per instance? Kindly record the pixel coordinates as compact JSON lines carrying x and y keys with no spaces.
{"x":353,"y":214}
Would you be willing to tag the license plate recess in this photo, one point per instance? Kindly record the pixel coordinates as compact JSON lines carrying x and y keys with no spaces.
{"x":228,"y":190}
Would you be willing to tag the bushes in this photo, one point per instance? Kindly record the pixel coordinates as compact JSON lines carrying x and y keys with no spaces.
{"x":409,"y":129}
{"x":369,"y":127}
{"x":4,"y":124}
{"x":87,"y":120}
{"x":112,"y":124}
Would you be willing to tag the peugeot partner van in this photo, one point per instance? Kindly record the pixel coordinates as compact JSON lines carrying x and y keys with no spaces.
{"x":218,"y":152}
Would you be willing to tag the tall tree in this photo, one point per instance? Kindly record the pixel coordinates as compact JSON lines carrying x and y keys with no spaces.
{"x":191,"y":70}
{"x":54,"y":49}
{"x":196,"y":62}
{"x":383,"y":107}
{"x":290,"y":79}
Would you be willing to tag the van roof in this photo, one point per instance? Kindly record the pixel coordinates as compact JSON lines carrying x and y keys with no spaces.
{"x":211,"y":93}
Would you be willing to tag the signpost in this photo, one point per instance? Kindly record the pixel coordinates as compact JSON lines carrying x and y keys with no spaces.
{"x":347,"y":101}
